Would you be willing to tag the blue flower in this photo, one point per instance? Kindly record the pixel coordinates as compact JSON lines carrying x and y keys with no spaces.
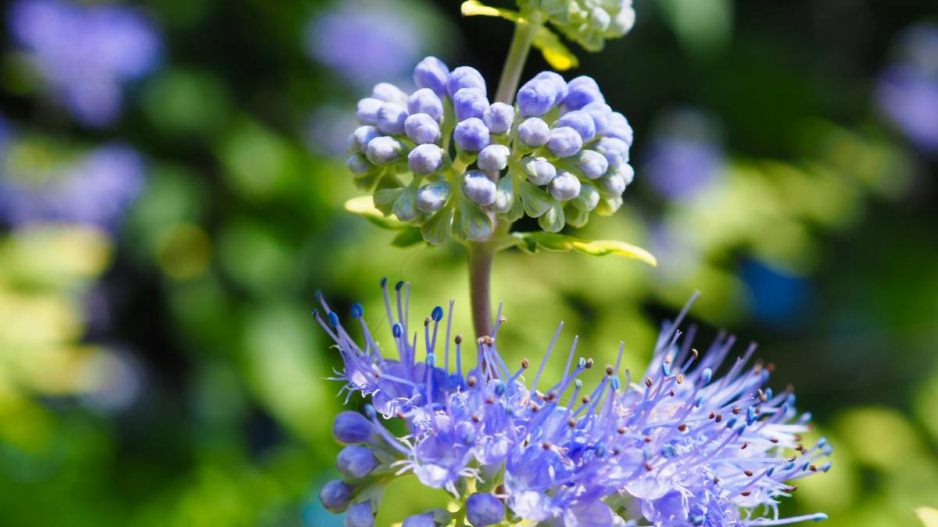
{"x":675,"y":446}
{"x":86,"y":53}
{"x":96,"y":189}
{"x":364,"y":42}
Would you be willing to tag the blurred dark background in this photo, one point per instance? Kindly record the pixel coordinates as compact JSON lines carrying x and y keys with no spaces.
{"x":171,"y":193}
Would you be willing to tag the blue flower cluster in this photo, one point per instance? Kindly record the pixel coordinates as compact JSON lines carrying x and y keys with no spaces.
{"x":676,"y":447}
{"x":86,"y":53}
{"x":445,"y":158}
{"x":96,"y":189}
{"x":588,"y":22}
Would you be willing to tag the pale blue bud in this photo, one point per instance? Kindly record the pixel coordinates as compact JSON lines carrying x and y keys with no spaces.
{"x":498,"y":117}
{"x":623,"y":21}
{"x":601,"y":114}
{"x":425,"y":159}
{"x":564,"y":187}
{"x":534,"y":132}
{"x":493,"y":158}
{"x":425,"y":101}
{"x":422,"y":129}
{"x":592,"y":164}
{"x":388,"y":92}
{"x":580,"y":121}
{"x":582,"y":91}
{"x":359,"y":164}
{"x":620,"y":128}
{"x":588,"y":197}
{"x":367,"y":110}
{"x":336,"y":495}
{"x":627,"y":173}
{"x":433,"y":74}
{"x":564,"y":142}
{"x":539,"y":170}
{"x":464,"y":77}
{"x":471,"y":135}
{"x":432,"y":197}
{"x":470,"y":102}
{"x":613,"y":184}
{"x":359,"y":515}
{"x":479,"y":188}
{"x":383,"y":150}
{"x":361,"y":137}
{"x":420,"y":520}
{"x":391,"y":117}
{"x":558,"y":82}
{"x":536,"y":97}
{"x":483,"y":510}
{"x":615,"y":150}
{"x":356,"y":461}
{"x":599,"y":19}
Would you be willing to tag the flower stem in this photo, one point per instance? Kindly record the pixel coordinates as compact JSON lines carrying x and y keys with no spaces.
{"x":482,"y":254}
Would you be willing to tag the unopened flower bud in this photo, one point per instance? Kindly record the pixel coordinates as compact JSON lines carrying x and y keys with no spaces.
{"x":539,"y":170}
{"x":350,"y":428}
{"x":479,"y":188}
{"x":580,"y":121}
{"x":432,"y":73}
{"x":499,"y":117}
{"x":564,"y":142}
{"x":367,"y":110}
{"x":425,"y":101}
{"x":470,"y":102}
{"x":534,"y":132}
{"x":471,"y":135}
{"x":564,"y":187}
{"x":336,"y":495}
{"x":391,"y":118}
{"x":422,"y":129}
{"x":592,"y":164}
{"x":464,"y":77}
{"x":356,"y":461}
{"x":493,"y":158}
{"x":425,"y":159}
{"x":483,"y":510}
{"x":432,"y":197}
{"x":383,"y":150}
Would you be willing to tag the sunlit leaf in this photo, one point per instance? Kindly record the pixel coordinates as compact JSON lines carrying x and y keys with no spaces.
{"x":534,"y":241}
{"x":475,"y":8}
{"x":408,"y":238}
{"x":928,"y":516}
{"x":364,"y":206}
{"x":555,"y":52}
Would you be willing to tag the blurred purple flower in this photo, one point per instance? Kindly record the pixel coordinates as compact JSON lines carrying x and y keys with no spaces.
{"x":907,"y":90}
{"x":95,"y":190}
{"x":86,"y":53}
{"x":684,"y":155}
{"x":364,"y":42}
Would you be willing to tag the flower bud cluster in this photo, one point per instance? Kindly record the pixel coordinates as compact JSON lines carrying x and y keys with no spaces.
{"x":588,"y":22}
{"x":447,"y":159}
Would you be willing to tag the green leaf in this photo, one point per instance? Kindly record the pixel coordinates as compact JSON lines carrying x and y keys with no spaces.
{"x":475,"y":8}
{"x":385,"y":198}
{"x":436,"y":229}
{"x":555,"y":52}
{"x":533,"y":241}
{"x":505,"y":196}
{"x":536,"y":201}
{"x":576,"y":217}
{"x":928,"y":516}
{"x":553,"y":220}
{"x":364,"y":206}
{"x":471,"y":223}
{"x":408,"y":238}
{"x":405,"y":207}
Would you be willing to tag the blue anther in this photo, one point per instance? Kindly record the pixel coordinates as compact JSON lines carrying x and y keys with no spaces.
{"x":437,"y":313}
{"x":357,"y":310}
{"x":333,"y":319}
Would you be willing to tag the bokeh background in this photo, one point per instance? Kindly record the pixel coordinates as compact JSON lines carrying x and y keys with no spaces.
{"x":171,"y":191}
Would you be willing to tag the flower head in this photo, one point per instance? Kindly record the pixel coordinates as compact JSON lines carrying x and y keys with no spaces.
{"x":95,"y":189}
{"x":676,"y":446}
{"x":587,"y":22}
{"x":504,"y":158}
{"x":86,"y":53}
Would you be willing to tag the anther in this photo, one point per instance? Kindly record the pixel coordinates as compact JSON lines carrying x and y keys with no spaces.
{"x":680,"y":378}
{"x":471,"y":381}
{"x":695,"y":353}
{"x":748,"y":473}
{"x":572,"y":423}
{"x":476,"y":419}
{"x":648,"y":382}
{"x":620,"y":430}
{"x":745,"y":493}
{"x":609,"y":370}
{"x":546,"y":446}
{"x":719,"y":417}
{"x":648,"y":439}
{"x":459,"y":339}
{"x":427,"y":321}
{"x":744,"y":446}
{"x":771,"y":367}
{"x":525,"y":363}
{"x":589,"y":363}
{"x":737,"y":410}
{"x":682,"y":427}
{"x":502,"y":319}
{"x":648,"y":467}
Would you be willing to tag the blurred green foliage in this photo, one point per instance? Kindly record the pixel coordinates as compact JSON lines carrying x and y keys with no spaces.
{"x":210,"y":283}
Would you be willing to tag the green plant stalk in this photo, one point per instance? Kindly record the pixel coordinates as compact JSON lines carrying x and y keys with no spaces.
{"x":482,"y":254}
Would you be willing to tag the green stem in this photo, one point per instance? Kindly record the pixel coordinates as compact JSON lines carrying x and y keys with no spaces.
{"x":482,"y":254}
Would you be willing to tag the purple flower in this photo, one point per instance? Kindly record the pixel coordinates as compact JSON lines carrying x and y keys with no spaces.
{"x":364,"y":42}
{"x":907,"y":90}
{"x":86,"y":53}
{"x":96,"y":189}
{"x":684,"y":156}
{"x":676,"y":446}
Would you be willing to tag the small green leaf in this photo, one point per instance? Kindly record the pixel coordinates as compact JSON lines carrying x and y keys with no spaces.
{"x":555,"y":52}
{"x":554,"y":219}
{"x":436,"y":229}
{"x":476,"y":8}
{"x":364,"y":206}
{"x":405,"y":207}
{"x":471,"y":223}
{"x":608,"y":206}
{"x":536,"y":201}
{"x":532,"y":241}
{"x":408,"y":238}
{"x":576,"y":217}
{"x":385,"y":198}
{"x":505,"y":196}
{"x":928,"y":516}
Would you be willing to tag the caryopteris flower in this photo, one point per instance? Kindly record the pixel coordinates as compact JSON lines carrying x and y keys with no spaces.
{"x":86,"y":53}
{"x":447,"y":159}
{"x":678,"y":446}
